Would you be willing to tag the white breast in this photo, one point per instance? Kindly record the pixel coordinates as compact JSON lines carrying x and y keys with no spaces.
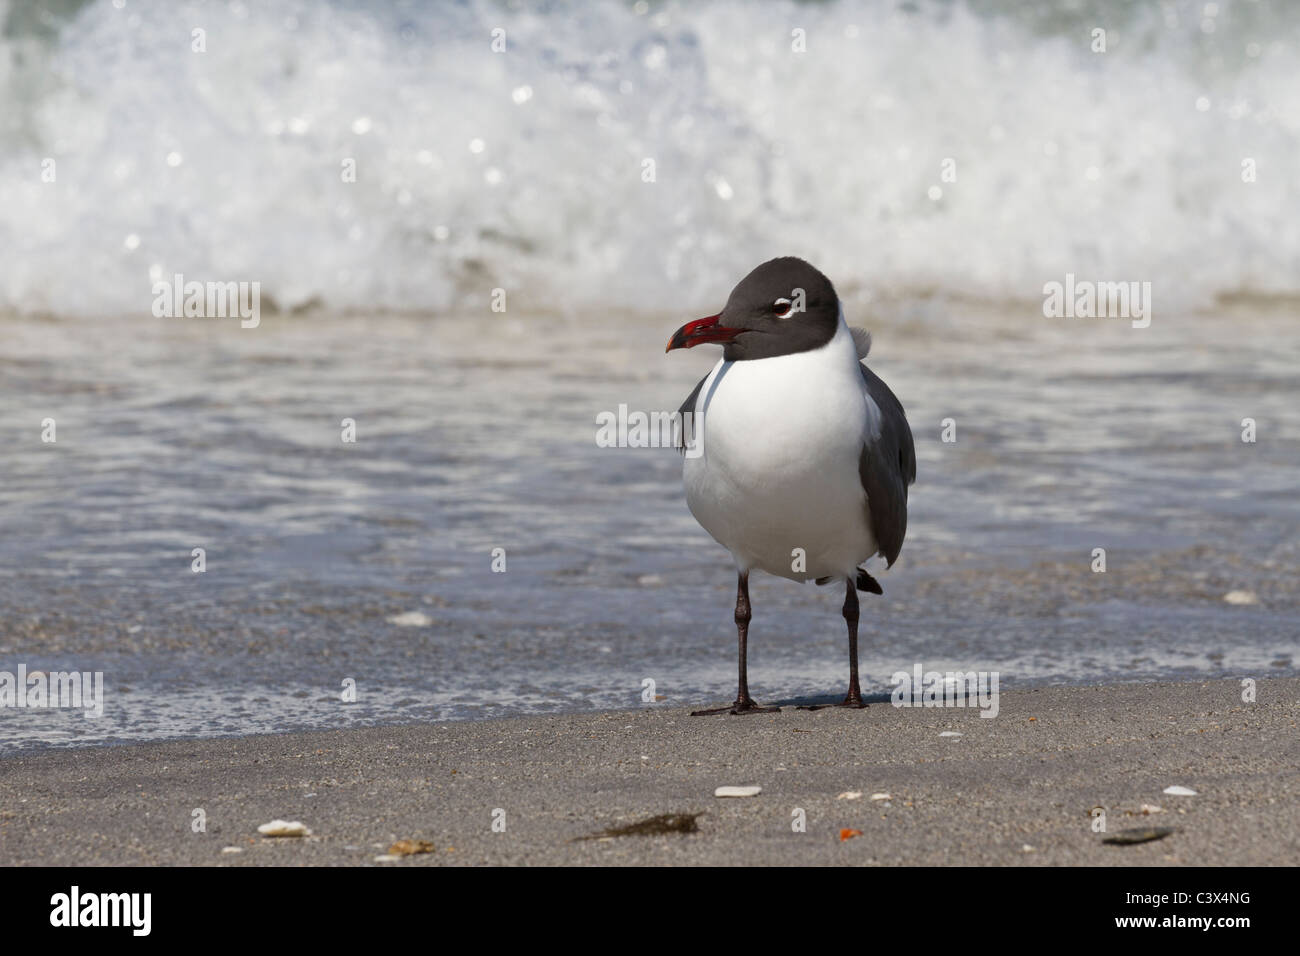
{"x":778,"y":473}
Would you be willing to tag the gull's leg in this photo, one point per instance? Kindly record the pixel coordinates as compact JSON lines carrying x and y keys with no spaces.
{"x":854,"y":696}
{"x":744,"y":703}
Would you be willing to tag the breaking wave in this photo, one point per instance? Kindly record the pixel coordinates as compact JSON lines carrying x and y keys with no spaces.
{"x":619,"y":154}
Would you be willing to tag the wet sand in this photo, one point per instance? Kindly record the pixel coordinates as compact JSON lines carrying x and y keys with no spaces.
{"x":1018,"y":789}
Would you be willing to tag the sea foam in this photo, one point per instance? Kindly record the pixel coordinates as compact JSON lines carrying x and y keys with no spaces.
{"x":969,"y":149}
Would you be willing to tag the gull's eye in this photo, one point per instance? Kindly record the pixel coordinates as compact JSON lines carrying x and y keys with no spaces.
{"x":781,"y":307}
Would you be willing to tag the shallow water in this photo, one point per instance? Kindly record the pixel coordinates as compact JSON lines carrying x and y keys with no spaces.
{"x":478,"y":432}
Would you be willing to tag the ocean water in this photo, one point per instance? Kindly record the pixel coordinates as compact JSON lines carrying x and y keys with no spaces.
{"x":371,"y":562}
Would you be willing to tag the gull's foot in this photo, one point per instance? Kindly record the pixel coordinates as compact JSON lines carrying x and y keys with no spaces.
{"x":743,"y":705}
{"x":854,"y":701}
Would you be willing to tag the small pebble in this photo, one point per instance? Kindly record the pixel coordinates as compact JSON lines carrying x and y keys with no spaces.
{"x":949,"y":733}
{"x":1241,"y":597}
{"x":881,"y":796}
{"x":232,"y":849}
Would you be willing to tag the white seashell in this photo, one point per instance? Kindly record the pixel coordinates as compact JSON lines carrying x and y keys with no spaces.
{"x":737,"y":791}
{"x":1177,"y":791}
{"x":1241,"y":597}
{"x":949,"y":733}
{"x":284,"y":828}
{"x":411,"y":619}
{"x":850,"y":795}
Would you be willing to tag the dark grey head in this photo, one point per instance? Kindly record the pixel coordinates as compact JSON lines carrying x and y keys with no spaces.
{"x":782,"y":307}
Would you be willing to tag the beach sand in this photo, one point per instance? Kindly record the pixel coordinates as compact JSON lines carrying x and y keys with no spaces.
{"x":1018,"y":789}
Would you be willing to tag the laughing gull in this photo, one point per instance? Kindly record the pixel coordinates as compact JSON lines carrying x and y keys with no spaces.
{"x":804,"y":455}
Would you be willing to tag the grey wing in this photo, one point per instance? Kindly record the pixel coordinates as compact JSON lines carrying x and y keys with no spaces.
{"x":887,"y":466}
{"x":686,"y":415}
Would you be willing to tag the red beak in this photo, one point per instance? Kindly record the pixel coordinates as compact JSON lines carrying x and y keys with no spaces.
{"x":700,"y":332}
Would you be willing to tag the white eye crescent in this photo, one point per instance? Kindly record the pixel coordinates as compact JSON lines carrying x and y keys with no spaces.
{"x":782,"y":308}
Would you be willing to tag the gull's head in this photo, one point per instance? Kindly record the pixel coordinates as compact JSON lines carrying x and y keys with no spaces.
{"x":782,"y":307}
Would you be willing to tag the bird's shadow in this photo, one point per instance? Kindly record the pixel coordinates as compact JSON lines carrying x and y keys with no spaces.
{"x":830,"y":700}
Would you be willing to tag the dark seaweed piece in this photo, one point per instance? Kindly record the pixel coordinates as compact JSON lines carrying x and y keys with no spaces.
{"x":652,"y":826}
{"x":1138,"y":835}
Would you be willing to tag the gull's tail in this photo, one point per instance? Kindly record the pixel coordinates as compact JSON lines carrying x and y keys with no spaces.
{"x":865,"y":582}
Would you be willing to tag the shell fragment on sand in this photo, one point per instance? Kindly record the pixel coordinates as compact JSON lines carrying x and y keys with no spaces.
{"x":950,"y":733}
{"x":881,"y":796}
{"x":411,"y":619}
{"x":1178,"y":791}
{"x":410,"y":847}
{"x":284,"y":828}
{"x":737,"y":791}
{"x":850,"y":795}
{"x":1241,"y":597}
